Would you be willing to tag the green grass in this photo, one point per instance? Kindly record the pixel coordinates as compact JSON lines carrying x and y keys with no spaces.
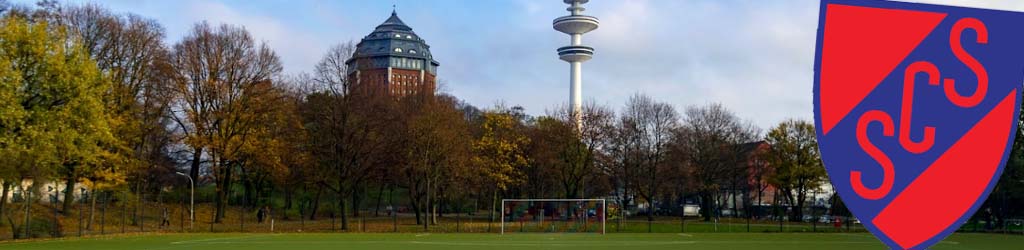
{"x":409,"y":241}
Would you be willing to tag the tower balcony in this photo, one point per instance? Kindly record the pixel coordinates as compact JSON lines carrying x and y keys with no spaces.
{"x":575,"y":24}
{"x":575,"y":53}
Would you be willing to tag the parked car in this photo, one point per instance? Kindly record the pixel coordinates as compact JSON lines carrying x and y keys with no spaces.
{"x":691,"y":210}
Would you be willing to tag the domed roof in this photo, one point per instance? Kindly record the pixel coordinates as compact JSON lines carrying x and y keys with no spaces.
{"x":393,"y":23}
{"x":393,"y":38}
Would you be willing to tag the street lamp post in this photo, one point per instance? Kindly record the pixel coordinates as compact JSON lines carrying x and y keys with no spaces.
{"x":192,"y":200}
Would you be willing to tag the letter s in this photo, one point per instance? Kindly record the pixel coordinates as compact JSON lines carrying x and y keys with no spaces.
{"x":970,"y":61}
{"x":888,"y":172}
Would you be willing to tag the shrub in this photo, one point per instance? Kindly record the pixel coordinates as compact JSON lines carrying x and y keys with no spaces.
{"x":38,"y":227}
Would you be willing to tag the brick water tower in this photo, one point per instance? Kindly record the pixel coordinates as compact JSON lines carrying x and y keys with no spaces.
{"x":394,"y":60}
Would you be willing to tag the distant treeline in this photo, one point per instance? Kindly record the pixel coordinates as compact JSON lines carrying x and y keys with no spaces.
{"x":100,"y":100}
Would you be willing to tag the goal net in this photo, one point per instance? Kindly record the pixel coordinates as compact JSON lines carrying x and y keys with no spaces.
{"x":553,"y":215}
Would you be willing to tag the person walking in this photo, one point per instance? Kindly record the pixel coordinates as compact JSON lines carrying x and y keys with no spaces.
{"x":259,"y":215}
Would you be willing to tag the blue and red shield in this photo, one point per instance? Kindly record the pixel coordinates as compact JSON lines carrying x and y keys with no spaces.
{"x":916,"y":108}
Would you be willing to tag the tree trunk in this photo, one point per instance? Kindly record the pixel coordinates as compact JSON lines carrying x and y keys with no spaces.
{"x":621,"y":191}
{"x":426,"y":213}
{"x":706,"y":209}
{"x":28,"y":211}
{"x":197,"y":158}
{"x":429,"y":206}
{"x":103,"y":213}
{"x":494,"y":201}
{"x":357,"y":198}
{"x":650,"y":215}
{"x":223,"y":188}
{"x":257,"y":193}
{"x":682,"y":212}
{"x":414,"y":201}
{"x":69,"y":193}
{"x":380,"y":194}
{"x":316,"y":204}
{"x":92,"y":209}
{"x":757,"y":210}
{"x":124,"y":211}
{"x":433,"y":214}
{"x":288,"y":198}
{"x":798,"y":212}
{"x":135,"y":209}
{"x":3,"y":197}
{"x":441,"y":204}
{"x":394,"y":210}
{"x":142,"y":208}
{"x":476,"y":203}
{"x":248,"y":190}
{"x":735,"y":212}
{"x":14,"y":229}
{"x":779,"y":211}
{"x":344,"y":216}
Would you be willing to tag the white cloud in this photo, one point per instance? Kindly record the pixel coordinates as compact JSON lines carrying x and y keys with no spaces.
{"x":298,"y":48}
{"x":755,"y":57}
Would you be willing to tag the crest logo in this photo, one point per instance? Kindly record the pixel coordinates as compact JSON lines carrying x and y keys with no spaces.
{"x":916,"y":107}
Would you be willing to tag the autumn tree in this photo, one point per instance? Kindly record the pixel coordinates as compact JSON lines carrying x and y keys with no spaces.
{"x":547,"y":136}
{"x":329,"y":82}
{"x":711,"y":142}
{"x":499,"y":151}
{"x":276,"y":144}
{"x":760,"y":173}
{"x":647,"y":126}
{"x":349,"y":128}
{"x":436,"y":151}
{"x":221,"y":78}
{"x":349,"y":142}
{"x":53,"y":116}
{"x":797,"y":162}
{"x":331,"y":72}
{"x":297,"y":156}
{"x":575,"y":148}
{"x":128,"y":49}
{"x":620,"y":159}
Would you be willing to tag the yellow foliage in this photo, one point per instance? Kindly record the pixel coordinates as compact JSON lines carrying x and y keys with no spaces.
{"x":500,"y":151}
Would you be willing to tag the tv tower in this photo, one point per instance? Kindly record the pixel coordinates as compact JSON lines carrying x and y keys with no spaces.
{"x":575,"y":25}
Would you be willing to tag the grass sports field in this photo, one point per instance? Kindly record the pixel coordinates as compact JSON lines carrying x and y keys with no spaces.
{"x":315,"y":241}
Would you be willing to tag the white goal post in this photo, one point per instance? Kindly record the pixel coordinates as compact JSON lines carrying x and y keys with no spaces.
{"x":571,"y":210}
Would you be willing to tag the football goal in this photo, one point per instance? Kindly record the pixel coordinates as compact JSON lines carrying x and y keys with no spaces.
{"x":553,"y":215}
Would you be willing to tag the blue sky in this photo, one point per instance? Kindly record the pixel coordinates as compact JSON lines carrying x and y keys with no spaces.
{"x":755,"y":57}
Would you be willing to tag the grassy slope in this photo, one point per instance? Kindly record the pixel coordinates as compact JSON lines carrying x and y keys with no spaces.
{"x":311,"y":241}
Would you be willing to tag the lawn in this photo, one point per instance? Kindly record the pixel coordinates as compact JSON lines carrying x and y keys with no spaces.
{"x":411,"y":241}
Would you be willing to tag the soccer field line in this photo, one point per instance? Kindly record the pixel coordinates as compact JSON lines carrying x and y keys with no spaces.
{"x":536,"y":243}
{"x":544,"y":243}
{"x":458,"y":243}
{"x":219,"y":239}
